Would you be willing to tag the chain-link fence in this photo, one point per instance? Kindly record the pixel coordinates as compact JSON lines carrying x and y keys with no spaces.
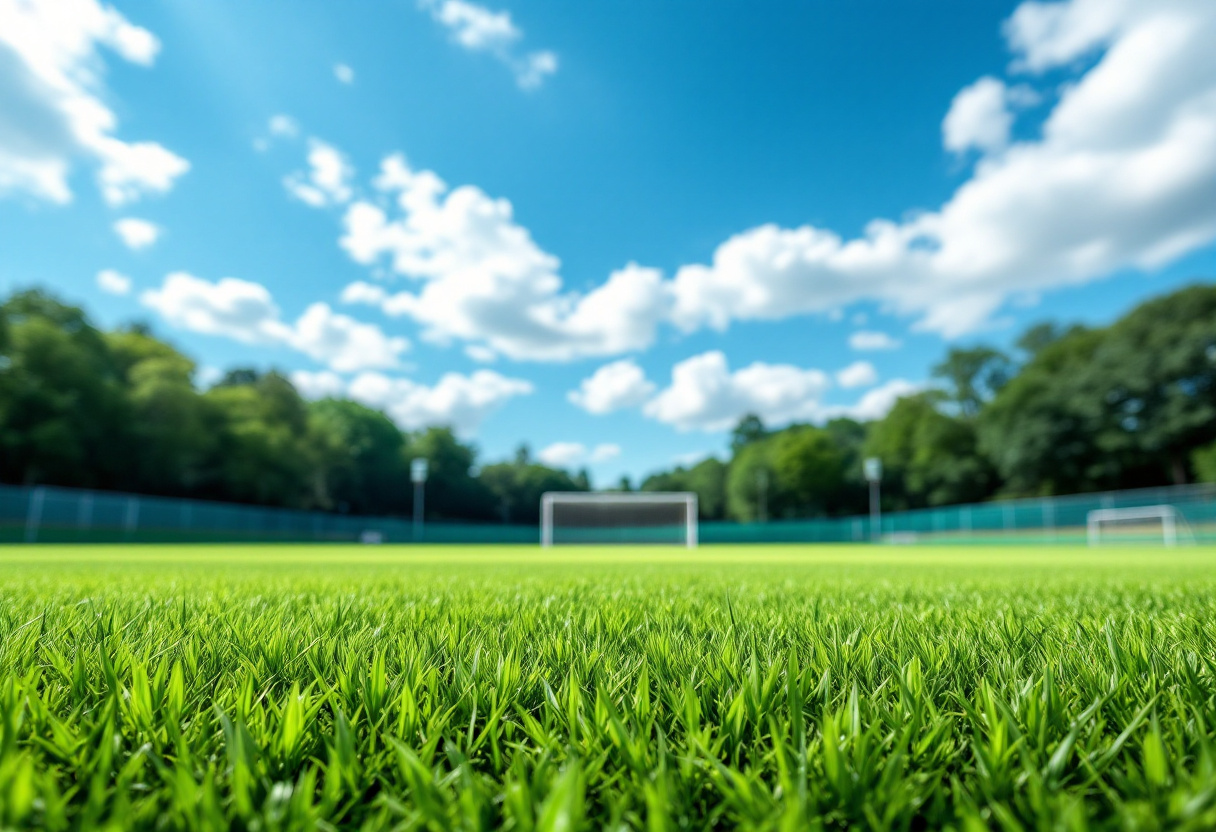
{"x":44,"y":514}
{"x":1043,"y":520}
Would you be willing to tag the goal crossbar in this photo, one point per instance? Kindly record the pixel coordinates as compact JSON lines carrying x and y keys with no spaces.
{"x":1169,"y":517}
{"x":685,"y":499}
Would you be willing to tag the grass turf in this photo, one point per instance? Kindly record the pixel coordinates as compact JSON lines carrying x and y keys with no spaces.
{"x":267,"y":687}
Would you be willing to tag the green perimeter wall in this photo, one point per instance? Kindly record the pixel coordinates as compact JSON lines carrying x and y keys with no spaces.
{"x":60,"y":515}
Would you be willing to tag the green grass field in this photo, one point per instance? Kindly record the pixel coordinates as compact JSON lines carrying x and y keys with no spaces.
{"x":444,"y":688}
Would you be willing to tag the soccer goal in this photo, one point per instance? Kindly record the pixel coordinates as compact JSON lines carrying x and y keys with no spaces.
{"x":574,"y":517}
{"x":1142,"y":524}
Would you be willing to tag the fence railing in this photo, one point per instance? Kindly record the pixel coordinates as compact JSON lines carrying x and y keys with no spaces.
{"x":46,"y":514}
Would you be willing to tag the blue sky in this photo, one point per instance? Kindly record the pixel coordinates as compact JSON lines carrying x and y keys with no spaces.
{"x":605,"y":229}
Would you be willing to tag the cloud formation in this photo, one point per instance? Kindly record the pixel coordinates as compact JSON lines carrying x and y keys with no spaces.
{"x":1120,"y":174}
{"x":877,"y":402}
{"x":478,"y":29}
{"x":569,"y":454}
{"x":457,"y":401}
{"x":614,"y":386}
{"x":328,"y":179}
{"x":113,"y":283}
{"x":864,"y":340}
{"x":706,"y":395}
{"x":484,"y":280}
{"x":857,"y":374}
{"x":1120,"y":177}
{"x":135,"y":233}
{"x":52,"y":107}
{"x":245,"y":311}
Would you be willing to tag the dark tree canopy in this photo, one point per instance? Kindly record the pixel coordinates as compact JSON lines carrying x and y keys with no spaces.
{"x":1127,"y":405}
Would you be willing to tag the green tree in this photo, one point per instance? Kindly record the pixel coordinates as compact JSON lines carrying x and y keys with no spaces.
{"x":750,"y":429}
{"x":929,"y":458}
{"x":1204,"y":461}
{"x":517,"y":487}
{"x":64,"y":418}
{"x":974,"y":376}
{"x":809,"y":469}
{"x":750,"y":494}
{"x":264,"y":449}
{"x":707,"y":479}
{"x":363,"y":468}
{"x":175,"y":429}
{"x":451,"y":489}
{"x":849,"y":436}
{"x":1119,"y":407}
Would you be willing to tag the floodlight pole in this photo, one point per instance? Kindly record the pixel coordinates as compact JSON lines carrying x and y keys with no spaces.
{"x":873,"y":472}
{"x":418,"y":475}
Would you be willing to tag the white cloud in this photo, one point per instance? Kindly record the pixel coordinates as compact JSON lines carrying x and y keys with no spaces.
{"x":278,"y":126}
{"x":877,"y":402}
{"x":458,"y":401}
{"x":462,"y":402}
{"x":868,"y":340}
{"x":535,"y":68}
{"x":52,"y":106}
{"x":604,"y":452}
{"x":481,"y":354}
{"x":705,"y":395}
{"x":612,"y":387}
{"x":246,"y":312}
{"x":344,"y":73}
{"x":857,"y":374}
{"x":484,"y":280}
{"x":113,"y":283}
{"x":328,"y":179}
{"x":981,"y":115}
{"x":136,"y":233}
{"x":343,"y":343}
{"x":569,"y":454}
{"x":479,"y":29}
{"x":692,"y":458}
{"x":283,"y":126}
{"x":1121,"y":177}
{"x":366,"y":293}
{"x":318,"y":385}
{"x":233,"y":308}
{"x":562,"y":454}
{"x":978,"y":118}
{"x":475,"y":27}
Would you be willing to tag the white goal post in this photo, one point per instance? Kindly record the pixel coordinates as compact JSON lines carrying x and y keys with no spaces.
{"x":644,"y":517}
{"x":1137,"y":519}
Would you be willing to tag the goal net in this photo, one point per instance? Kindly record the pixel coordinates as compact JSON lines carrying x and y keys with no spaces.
{"x":568,"y":517}
{"x":1142,"y":524}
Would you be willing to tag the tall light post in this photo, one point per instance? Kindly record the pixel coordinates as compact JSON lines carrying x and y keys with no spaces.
{"x":873,"y":471}
{"x":418,"y":476}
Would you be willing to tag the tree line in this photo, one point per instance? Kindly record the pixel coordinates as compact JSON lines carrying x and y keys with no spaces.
{"x":1071,"y":409}
{"x":120,"y":411}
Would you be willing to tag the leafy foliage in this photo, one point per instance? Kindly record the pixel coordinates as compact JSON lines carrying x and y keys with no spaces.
{"x":337,"y":689}
{"x":120,"y":410}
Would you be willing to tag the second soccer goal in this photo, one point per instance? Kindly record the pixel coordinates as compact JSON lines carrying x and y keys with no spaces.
{"x":573,"y":517}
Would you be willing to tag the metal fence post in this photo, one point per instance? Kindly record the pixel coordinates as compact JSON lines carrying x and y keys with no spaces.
{"x":33,"y":516}
{"x":132,"y":519}
{"x":84,"y":512}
